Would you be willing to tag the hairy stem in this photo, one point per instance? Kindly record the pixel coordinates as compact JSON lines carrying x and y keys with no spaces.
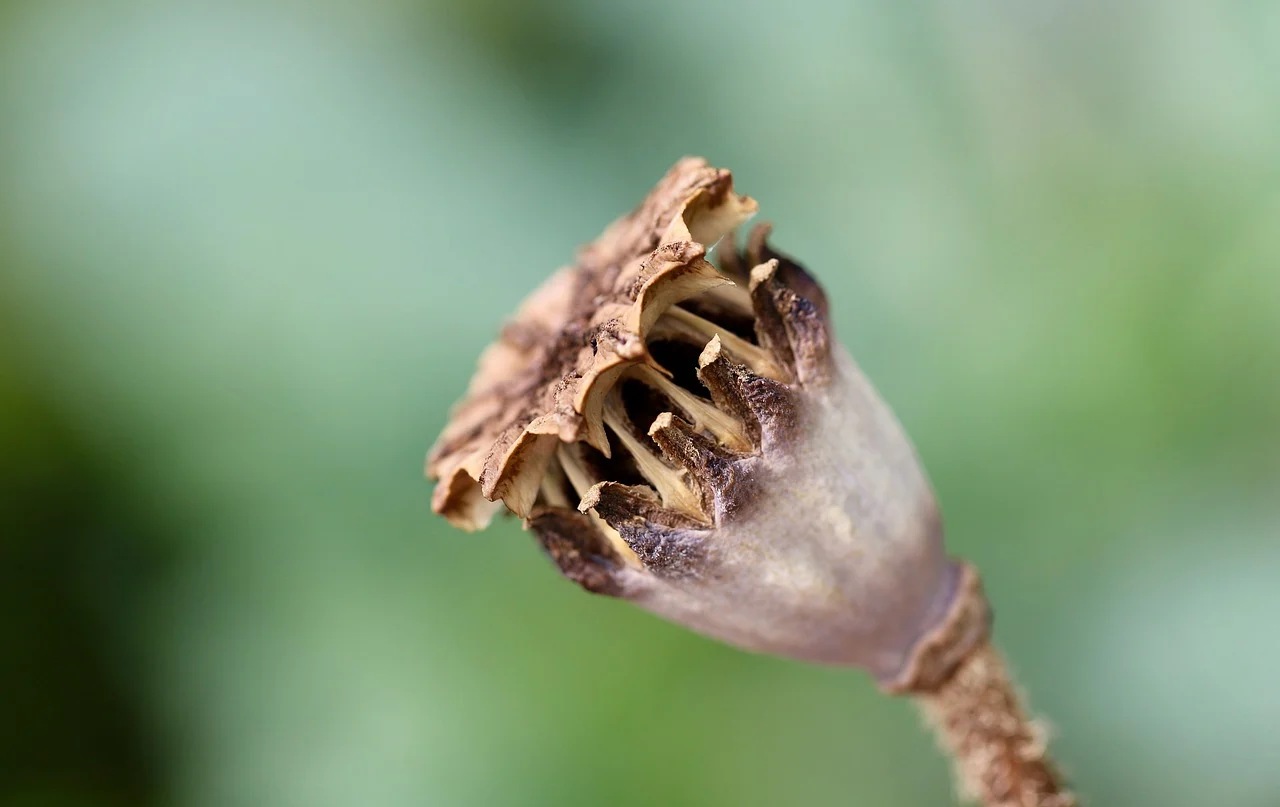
{"x":1001,"y":755}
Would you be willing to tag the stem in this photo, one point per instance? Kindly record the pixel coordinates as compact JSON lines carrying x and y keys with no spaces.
{"x":1001,"y":755}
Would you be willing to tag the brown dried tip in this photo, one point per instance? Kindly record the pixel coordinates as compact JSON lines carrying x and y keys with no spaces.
{"x":691,"y":438}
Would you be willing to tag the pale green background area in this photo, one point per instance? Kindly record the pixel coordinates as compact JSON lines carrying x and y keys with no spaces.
{"x":250,"y":252}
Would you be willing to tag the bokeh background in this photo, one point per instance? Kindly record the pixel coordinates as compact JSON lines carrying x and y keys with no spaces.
{"x":250,"y":252}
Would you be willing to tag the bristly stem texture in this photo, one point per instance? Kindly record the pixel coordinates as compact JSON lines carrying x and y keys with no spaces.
{"x":1001,"y":755}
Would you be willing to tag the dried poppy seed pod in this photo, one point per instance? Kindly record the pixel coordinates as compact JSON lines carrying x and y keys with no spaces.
{"x":693,"y":439}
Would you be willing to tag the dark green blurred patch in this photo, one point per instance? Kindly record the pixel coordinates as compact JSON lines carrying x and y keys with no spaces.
{"x":72,"y":558}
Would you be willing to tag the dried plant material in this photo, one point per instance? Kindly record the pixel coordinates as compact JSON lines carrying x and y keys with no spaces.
{"x":546,"y":379}
{"x":1001,"y":755}
{"x":693,"y":438}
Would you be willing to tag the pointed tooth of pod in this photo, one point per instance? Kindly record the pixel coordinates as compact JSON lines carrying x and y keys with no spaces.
{"x":793,"y":275}
{"x":718,"y":475}
{"x":667,"y":542}
{"x":766,"y":408}
{"x":791,"y":326}
{"x":771,"y":331}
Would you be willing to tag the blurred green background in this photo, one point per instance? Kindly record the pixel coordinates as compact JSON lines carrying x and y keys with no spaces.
{"x":249,"y":254}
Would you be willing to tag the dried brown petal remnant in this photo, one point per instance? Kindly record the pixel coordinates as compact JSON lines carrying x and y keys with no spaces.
{"x":544,"y":384}
{"x":691,"y":438}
